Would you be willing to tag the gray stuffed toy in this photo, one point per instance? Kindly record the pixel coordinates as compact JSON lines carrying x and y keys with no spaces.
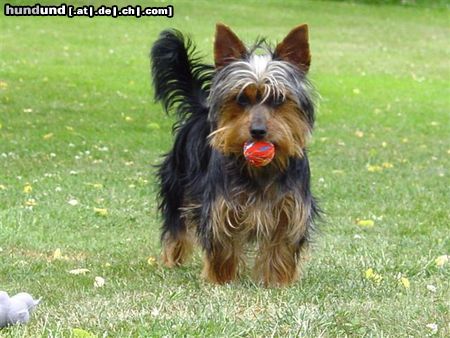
{"x":17,"y":309}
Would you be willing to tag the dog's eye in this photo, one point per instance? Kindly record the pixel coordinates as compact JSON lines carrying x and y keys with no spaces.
{"x":242,"y":100}
{"x":276,"y":101}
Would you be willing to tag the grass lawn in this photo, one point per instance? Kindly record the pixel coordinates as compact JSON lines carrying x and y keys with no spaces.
{"x":79,"y":134}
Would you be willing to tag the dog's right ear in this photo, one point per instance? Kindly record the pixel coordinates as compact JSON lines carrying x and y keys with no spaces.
{"x":227,"y":46}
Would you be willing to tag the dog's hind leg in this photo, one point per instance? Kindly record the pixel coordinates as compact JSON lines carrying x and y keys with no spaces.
{"x":176,"y":239}
{"x":176,"y":248}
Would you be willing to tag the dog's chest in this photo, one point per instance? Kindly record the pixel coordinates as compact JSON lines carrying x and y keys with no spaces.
{"x":257,"y":215}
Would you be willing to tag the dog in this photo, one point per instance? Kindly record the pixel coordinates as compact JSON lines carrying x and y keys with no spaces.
{"x":209,"y":192}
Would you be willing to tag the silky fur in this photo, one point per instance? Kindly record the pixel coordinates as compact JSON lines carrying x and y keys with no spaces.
{"x":209,"y":194}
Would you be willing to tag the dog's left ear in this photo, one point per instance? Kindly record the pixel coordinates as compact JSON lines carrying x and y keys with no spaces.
{"x":295,"y":48}
{"x":227,"y":46}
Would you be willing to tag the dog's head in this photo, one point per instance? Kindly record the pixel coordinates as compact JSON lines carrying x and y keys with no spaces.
{"x":261,"y":94}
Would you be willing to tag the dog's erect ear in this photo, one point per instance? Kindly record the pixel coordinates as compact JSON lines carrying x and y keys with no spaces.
{"x":227,"y":46}
{"x":295,"y":48}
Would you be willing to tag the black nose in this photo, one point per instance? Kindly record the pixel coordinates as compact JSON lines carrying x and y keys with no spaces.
{"x":258,"y":133}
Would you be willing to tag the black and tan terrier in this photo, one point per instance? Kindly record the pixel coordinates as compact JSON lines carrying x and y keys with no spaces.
{"x":209,"y":192}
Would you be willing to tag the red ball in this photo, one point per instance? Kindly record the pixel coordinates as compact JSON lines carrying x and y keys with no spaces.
{"x":259,"y":153}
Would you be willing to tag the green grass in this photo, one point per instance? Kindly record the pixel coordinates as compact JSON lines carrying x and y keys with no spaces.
{"x":78,"y":122}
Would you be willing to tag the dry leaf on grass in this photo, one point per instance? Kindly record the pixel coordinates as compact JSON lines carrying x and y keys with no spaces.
{"x":80,"y":271}
{"x":99,"y":282}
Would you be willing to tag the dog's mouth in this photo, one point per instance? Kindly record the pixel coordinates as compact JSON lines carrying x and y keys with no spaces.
{"x":259,"y":153}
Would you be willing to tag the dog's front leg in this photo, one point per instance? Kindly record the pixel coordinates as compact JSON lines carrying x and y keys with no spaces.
{"x":278,"y":259}
{"x":221,"y":242}
{"x":221,"y":264}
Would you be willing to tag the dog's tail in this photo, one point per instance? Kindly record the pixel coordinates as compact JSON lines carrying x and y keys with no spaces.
{"x":180,"y":80}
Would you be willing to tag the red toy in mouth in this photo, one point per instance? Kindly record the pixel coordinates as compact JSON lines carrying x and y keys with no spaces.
{"x":259,"y":153}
